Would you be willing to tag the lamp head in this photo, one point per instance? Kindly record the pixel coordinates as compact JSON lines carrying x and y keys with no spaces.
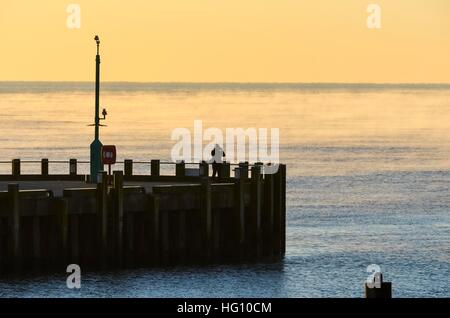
{"x":97,"y":39}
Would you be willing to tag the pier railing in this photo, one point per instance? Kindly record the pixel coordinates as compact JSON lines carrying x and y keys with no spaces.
{"x":153,"y":170}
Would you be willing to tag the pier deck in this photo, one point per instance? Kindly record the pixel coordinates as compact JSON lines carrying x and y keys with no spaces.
{"x":57,"y":187}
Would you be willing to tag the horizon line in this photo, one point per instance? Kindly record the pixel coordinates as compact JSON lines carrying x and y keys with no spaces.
{"x":227,"y":82}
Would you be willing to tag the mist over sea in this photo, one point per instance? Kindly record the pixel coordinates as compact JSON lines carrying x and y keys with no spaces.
{"x":368,"y":178}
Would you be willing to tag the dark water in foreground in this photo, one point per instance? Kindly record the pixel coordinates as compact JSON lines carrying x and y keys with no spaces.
{"x":368,"y":181}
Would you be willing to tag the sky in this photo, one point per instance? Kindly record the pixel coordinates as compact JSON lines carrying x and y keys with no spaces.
{"x":227,"y":41}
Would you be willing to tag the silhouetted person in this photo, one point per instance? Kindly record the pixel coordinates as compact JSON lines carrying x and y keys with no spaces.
{"x":217,"y":153}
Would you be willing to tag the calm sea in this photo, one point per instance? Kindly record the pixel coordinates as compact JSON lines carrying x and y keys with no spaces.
{"x":368,"y":179}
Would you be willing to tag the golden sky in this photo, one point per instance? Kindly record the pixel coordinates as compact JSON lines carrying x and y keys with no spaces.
{"x":227,"y":41}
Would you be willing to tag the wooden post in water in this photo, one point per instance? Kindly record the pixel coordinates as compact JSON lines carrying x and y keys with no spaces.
{"x":128,"y":167}
{"x":206,"y":218}
{"x":277,"y":202}
{"x":383,"y":290}
{"x":283,"y":208}
{"x":238,"y":222}
{"x":268,"y":215}
{"x":102,"y":191}
{"x":14,"y":225}
{"x":73,"y":167}
{"x":118,"y":218}
{"x":254,"y":248}
{"x":44,"y":167}
{"x":155,"y":167}
{"x":16,"y":167}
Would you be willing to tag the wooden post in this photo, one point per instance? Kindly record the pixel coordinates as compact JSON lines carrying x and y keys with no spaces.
{"x":73,"y":167}
{"x":36,"y":241}
{"x":16,"y":167}
{"x":268,"y":215}
{"x":255,"y":213}
{"x":118,"y":217}
{"x":237,"y":173}
{"x":204,"y":169}
{"x":238,"y":223}
{"x":180,"y":169}
{"x":153,"y":223}
{"x":224,"y":171}
{"x":216,"y":229}
{"x":155,"y":167}
{"x":63,"y":225}
{"x":182,"y":248}
{"x":383,"y":291}
{"x":128,"y":167}
{"x":44,"y":167}
{"x":243,"y":170}
{"x":277,"y":201}
{"x":102,"y":191}
{"x":14,"y":225}
{"x":283,"y":208}
{"x":206,"y":218}
{"x":75,"y":238}
{"x":165,"y":248}
{"x":130,"y":239}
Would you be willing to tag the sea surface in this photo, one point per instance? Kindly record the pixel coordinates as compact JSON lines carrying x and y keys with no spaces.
{"x":368,"y":179}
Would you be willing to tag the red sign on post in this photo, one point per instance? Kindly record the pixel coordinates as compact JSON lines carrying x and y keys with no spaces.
{"x":109,"y":155}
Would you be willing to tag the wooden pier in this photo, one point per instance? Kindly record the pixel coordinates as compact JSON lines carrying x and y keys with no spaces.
{"x":48,"y":221}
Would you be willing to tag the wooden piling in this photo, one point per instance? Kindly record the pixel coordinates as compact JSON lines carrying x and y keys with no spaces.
{"x":243,"y":166}
{"x":277,"y":206}
{"x":73,"y":167}
{"x":164,"y":232}
{"x":224,"y":170}
{"x":383,"y":291}
{"x":238,"y":219}
{"x":14,"y":225}
{"x":206,"y":218}
{"x":155,"y":167}
{"x":74,"y":231}
{"x":153,"y":230}
{"x":283,"y":208}
{"x":44,"y":167}
{"x":62,"y":217}
{"x":204,"y":169}
{"x":254,"y":247}
{"x":267,"y":219}
{"x":16,"y":167}
{"x":102,"y":191}
{"x":129,"y":239}
{"x":216,"y":229}
{"x":181,"y":248}
{"x":180,"y":169}
{"x":36,"y":241}
{"x":118,"y":218}
{"x":128,"y":167}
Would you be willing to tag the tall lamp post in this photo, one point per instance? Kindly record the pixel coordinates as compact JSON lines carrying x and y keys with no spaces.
{"x":96,"y":145}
